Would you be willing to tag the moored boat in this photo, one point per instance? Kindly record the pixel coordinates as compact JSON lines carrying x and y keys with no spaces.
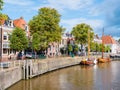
{"x":88,"y":61}
{"x":103,"y":60}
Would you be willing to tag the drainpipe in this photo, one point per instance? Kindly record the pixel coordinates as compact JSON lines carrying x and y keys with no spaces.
{"x":1,"y":43}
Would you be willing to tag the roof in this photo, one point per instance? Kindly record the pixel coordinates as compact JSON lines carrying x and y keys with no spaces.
{"x":20,"y":23}
{"x":108,"y":40}
{"x":96,"y":36}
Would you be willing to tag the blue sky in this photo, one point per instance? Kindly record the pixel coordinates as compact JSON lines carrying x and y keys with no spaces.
{"x":97,"y":13}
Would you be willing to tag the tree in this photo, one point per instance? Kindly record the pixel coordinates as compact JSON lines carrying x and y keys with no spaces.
{"x":97,"y":47}
{"x":18,"y":40}
{"x":1,"y":4}
{"x":75,"y":49}
{"x":118,"y":40}
{"x":35,"y":42}
{"x":46,"y":24}
{"x":107,"y":48}
{"x":80,"y":33}
{"x":70,"y":48}
{"x":2,"y":18}
{"x":93,"y":46}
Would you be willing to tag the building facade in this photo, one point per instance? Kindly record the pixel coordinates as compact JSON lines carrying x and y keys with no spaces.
{"x":7,"y":28}
{"x":109,"y":41}
{"x":54,"y":48}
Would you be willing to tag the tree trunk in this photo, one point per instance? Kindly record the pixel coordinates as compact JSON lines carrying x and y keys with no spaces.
{"x":35,"y":53}
{"x":81,"y":47}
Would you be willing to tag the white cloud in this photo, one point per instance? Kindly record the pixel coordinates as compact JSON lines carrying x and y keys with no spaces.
{"x":19,"y":2}
{"x":96,"y":24}
{"x":71,"y":4}
{"x":64,"y":5}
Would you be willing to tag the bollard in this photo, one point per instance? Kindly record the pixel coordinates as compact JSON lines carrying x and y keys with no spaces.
{"x":14,"y":63}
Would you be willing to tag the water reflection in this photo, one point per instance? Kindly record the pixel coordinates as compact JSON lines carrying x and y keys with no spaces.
{"x":105,"y":76}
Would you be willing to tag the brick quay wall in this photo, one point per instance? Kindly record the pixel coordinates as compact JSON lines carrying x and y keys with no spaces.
{"x":26,"y":69}
{"x":9,"y":77}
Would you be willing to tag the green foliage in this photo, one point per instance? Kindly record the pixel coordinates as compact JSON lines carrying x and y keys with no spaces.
{"x":102,"y":47}
{"x":97,"y":47}
{"x":18,"y":40}
{"x":35,"y":42}
{"x":80,"y":33}
{"x":46,"y":24}
{"x":3,"y":17}
{"x":119,"y":40}
{"x":93,"y":46}
{"x":76,"y":48}
{"x":70,"y":48}
{"x":107,"y":49}
{"x":1,"y":4}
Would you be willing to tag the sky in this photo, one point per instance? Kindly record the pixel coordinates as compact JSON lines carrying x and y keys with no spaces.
{"x":98,"y":14}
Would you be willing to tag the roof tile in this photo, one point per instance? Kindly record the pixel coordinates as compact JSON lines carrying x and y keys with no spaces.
{"x":20,"y":23}
{"x":108,"y":40}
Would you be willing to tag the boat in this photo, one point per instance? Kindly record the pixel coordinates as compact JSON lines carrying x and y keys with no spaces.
{"x":88,"y":61}
{"x":115,"y":56}
{"x":103,"y":59}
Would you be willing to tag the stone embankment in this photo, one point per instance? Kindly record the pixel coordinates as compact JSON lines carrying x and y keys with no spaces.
{"x":26,"y":69}
{"x":9,"y":77}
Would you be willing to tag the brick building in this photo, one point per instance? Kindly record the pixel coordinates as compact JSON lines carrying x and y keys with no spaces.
{"x":6,"y":29}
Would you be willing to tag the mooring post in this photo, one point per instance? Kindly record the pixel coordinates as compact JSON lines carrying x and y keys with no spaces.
{"x":30,"y":68}
{"x":24,"y":71}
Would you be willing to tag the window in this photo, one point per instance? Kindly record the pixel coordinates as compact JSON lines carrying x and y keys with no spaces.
{"x":5,"y":37}
{"x":4,"y":51}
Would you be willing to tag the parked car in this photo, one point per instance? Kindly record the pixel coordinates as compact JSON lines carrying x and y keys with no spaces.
{"x":82,"y":54}
{"x":31,"y":55}
{"x":20,"y":56}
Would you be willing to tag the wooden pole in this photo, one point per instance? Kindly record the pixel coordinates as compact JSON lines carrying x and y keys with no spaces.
{"x":88,"y":44}
{"x":102,"y":44}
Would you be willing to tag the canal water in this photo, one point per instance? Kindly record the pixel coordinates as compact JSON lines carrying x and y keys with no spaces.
{"x":104,"y":76}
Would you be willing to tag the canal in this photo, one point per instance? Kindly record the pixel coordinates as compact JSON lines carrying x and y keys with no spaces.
{"x":104,"y":76}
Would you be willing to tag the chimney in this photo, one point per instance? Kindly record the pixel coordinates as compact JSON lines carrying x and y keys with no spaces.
{"x":21,"y":17}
